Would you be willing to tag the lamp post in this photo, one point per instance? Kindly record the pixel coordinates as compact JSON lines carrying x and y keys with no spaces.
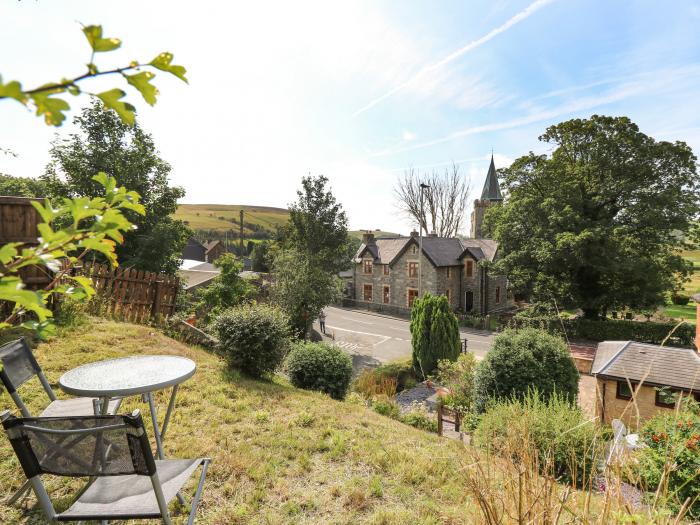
{"x":423,"y":187}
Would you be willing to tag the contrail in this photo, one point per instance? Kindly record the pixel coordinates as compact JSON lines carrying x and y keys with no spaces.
{"x":522,"y":15}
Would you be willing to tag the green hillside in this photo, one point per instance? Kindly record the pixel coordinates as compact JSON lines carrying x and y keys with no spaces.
{"x":258,"y":221}
{"x":377,"y":233}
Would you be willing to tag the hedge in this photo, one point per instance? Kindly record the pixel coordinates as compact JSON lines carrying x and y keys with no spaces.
{"x":611,"y":329}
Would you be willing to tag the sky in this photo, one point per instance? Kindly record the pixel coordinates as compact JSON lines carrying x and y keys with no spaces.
{"x":359,"y":91}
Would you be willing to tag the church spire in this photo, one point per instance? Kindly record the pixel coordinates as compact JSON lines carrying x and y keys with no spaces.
{"x":491,"y":192}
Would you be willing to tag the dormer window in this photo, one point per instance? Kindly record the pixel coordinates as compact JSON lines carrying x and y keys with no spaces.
{"x":469,"y":268}
{"x":367,"y":266}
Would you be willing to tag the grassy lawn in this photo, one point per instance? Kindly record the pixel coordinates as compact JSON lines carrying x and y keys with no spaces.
{"x":218,"y":216}
{"x":280,"y":455}
{"x":693,"y":286}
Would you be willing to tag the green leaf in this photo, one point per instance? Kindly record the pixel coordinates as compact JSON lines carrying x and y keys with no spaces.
{"x":99,"y":44}
{"x":12,"y":89}
{"x":46,"y":211}
{"x":12,"y":290}
{"x":51,"y":107}
{"x":85,"y":283}
{"x":8,"y":251}
{"x":107,"y":182}
{"x":124,"y":109}
{"x":162,"y":62}
{"x":142,"y":82}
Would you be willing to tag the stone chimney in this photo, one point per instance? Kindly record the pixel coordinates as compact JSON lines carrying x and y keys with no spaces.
{"x":414,"y":233}
{"x":368,"y":238}
{"x":696,"y":298}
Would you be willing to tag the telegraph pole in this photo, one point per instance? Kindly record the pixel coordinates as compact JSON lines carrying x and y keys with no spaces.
{"x":423,"y":187}
{"x":240,"y":242}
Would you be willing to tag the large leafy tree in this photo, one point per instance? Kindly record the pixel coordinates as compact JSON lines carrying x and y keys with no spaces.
{"x":599,"y":223}
{"x":318,"y":226}
{"x":126,"y":152}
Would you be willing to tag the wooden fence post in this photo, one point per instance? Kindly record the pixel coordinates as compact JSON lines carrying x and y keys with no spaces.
{"x":157,"y":299}
{"x":439,"y":416}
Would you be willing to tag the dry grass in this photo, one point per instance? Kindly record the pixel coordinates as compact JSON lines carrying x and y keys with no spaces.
{"x":286,"y":456}
{"x":217,"y":216}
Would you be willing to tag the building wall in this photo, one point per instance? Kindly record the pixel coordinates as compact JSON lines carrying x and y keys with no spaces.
{"x":624,"y":409}
{"x":216,"y":252}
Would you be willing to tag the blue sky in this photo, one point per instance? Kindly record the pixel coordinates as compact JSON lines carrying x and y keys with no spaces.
{"x":359,"y":91}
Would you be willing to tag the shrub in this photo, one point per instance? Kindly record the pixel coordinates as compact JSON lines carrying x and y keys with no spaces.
{"x":672,"y":456}
{"x":458,"y":376}
{"x":253,"y":338}
{"x":611,"y":329}
{"x":320,"y":366}
{"x":566,"y":445}
{"x":400,"y":370}
{"x":523,"y":360}
{"x":386,"y":406}
{"x":434,"y":333}
{"x":680,"y":299}
{"x":418,"y":416}
{"x":370,"y":383}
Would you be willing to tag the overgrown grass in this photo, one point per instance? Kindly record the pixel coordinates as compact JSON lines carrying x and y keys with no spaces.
{"x":218,"y":217}
{"x":287,"y":456}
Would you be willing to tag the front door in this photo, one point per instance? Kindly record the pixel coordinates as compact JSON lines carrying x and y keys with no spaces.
{"x":367,"y":293}
{"x":468,"y":301}
{"x":412,"y":294}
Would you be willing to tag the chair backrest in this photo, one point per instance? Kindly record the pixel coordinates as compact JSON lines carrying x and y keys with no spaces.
{"x":18,"y":366}
{"x":80,"y":446}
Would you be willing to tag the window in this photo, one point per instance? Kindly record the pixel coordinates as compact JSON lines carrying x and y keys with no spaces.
{"x":385,"y":295}
{"x":498,"y":294}
{"x":449,"y":272}
{"x":367,"y":293}
{"x":470,"y":268}
{"x":413,"y":269}
{"x":411,"y":296}
{"x":665,"y":397}
{"x":414,"y":249}
{"x":386,"y":269}
{"x":624,"y":391}
{"x":367,"y":266}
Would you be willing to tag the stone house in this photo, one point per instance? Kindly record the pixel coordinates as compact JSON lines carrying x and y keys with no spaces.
{"x":649,"y":376}
{"x":194,"y":250}
{"x":215,"y":249}
{"x":386,"y":270}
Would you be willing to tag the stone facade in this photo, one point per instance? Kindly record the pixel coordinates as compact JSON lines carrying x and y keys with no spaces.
{"x":400,"y":275}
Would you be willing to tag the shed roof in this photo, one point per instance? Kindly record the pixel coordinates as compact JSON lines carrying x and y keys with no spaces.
{"x":653,"y":364}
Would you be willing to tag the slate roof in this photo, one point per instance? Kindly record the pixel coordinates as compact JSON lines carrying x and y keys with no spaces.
{"x":441,"y":251}
{"x":211,"y":244}
{"x":491,"y":191}
{"x":651,"y":364}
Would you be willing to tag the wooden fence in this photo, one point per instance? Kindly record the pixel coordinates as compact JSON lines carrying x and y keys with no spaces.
{"x":129,"y":294}
{"x":132,"y":295}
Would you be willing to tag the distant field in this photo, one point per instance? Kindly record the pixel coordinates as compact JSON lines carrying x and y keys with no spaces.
{"x":377,"y":233}
{"x":224,"y":217}
{"x":693,"y":286}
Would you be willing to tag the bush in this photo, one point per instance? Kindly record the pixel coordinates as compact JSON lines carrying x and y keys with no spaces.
{"x":320,"y":366}
{"x":610,"y":329}
{"x":418,"y":416}
{"x":680,"y":299}
{"x":253,"y":338}
{"x":386,"y":406}
{"x":672,"y":456}
{"x":565,"y":444}
{"x":458,"y":377}
{"x":370,"y":383}
{"x":523,"y":360}
{"x":434,"y":333}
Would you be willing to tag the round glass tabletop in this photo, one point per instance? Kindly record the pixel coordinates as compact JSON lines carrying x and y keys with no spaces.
{"x":127,"y":376}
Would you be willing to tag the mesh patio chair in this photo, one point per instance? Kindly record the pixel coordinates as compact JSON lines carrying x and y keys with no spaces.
{"x":114,"y":451}
{"x":19,"y":366}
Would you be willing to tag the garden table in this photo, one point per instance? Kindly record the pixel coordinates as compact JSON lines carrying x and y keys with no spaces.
{"x":129,"y":376}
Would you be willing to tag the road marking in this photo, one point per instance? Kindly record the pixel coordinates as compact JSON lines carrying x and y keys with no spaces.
{"x":384,"y":338}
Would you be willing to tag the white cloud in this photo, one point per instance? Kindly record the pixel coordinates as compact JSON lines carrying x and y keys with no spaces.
{"x":408,"y":135}
{"x":519,"y":17}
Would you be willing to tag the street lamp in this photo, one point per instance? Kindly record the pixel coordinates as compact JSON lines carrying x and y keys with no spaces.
{"x":423,"y":187}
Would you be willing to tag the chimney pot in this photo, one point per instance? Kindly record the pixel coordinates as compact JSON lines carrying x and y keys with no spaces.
{"x":414,"y":233}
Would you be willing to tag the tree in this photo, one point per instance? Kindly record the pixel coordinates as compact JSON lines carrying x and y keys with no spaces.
{"x":318,"y":226}
{"x":261,"y":257}
{"x":228,"y":289}
{"x":598,"y":224}
{"x":434,"y":333}
{"x":444,"y":202}
{"x":129,"y":154}
{"x":302,"y":288}
{"x":21,"y":186}
{"x":522,"y":361}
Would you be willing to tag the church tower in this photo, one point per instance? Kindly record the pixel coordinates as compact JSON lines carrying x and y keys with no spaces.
{"x":490,"y":195}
